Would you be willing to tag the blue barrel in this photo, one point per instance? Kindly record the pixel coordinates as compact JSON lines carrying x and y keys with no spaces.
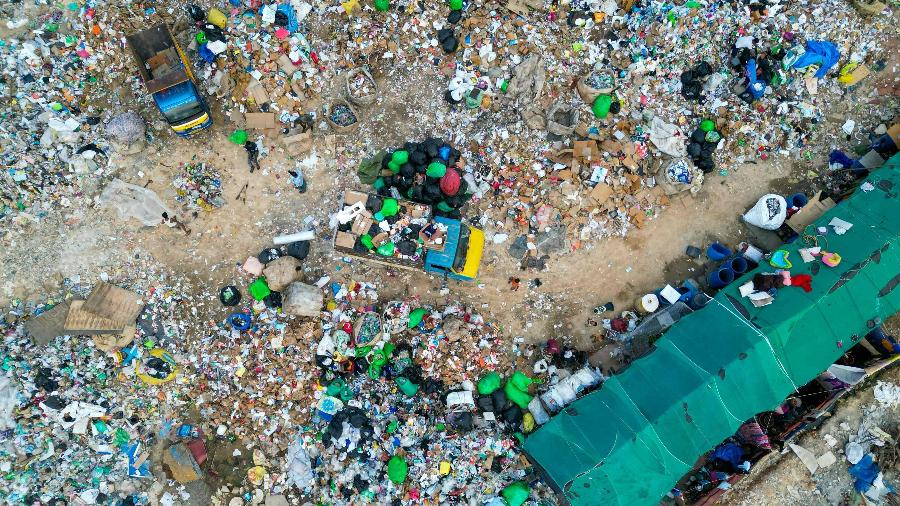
{"x":720,"y":277}
{"x":699,"y":300}
{"x":687,"y":291}
{"x":797,"y":200}
{"x":716,"y":251}
{"x":738,"y":264}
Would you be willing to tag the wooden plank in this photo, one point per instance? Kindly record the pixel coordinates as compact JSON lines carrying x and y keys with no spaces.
{"x":49,"y":324}
{"x":84,"y":322}
{"x":116,"y":304}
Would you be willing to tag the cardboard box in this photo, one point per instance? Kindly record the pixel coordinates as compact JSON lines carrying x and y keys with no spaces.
{"x":260,"y":120}
{"x":809,"y":213}
{"x":362,"y":223}
{"x":159,"y":59}
{"x":344,"y":240}
{"x":601,"y":193}
{"x":351,"y":197}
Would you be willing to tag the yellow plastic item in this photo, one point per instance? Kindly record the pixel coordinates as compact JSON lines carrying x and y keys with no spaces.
{"x":256,"y":475}
{"x":349,"y":6}
{"x":853,"y":73}
{"x":217,"y":17}
{"x":473,"y":254}
{"x":162,"y":355}
{"x":527,"y":423}
{"x":444,"y":468}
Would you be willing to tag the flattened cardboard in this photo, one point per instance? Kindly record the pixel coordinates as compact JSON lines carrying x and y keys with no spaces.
{"x":809,"y":213}
{"x":260,"y":120}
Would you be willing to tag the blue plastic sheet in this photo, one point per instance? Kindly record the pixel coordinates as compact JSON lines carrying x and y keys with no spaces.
{"x":288,"y":11}
{"x":206,"y":54}
{"x":821,"y":53}
{"x":757,"y":88}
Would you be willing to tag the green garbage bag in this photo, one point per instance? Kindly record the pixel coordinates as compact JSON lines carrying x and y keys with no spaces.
{"x":489,"y":383}
{"x":601,"y":105}
{"x":334,"y":388}
{"x":400,"y":157}
{"x":516,"y":389}
{"x":397,"y":470}
{"x":406,"y":386}
{"x":395,"y":168}
{"x":382,"y":5}
{"x":456,"y":5}
{"x":369,"y":169}
{"x":436,"y":169}
{"x":415,"y":317}
{"x":389,"y":207}
{"x":520,"y":381}
{"x":259,"y":289}
{"x":239,"y":137}
{"x":386,"y":249}
{"x":515,"y":494}
{"x":444,"y":206}
{"x":707,"y":125}
{"x":379,"y":183}
{"x":366,"y":241}
{"x":200,"y":37}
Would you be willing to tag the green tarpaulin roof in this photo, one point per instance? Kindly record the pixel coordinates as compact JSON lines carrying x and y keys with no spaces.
{"x":631,"y":441}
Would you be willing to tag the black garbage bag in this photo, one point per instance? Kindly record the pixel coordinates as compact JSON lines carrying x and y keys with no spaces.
{"x":269,"y":255}
{"x":281,"y":19}
{"x":444,"y":34}
{"x":213,"y":33}
{"x":450,"y":45}
{"x":229,"y":295}
{"x":359,"y":247}
{"x":196,"y":13}
{"x":45,"y":381}
{"x":385,"y":160}
{"x":357,"y":418}
{"x":431,"y":147}
{"x":360,"y":365}
{"x":500,"y":400}
{"x":407,"y":247}
{"x":407,"y":170}
{"x":698,"y":136}
{"x":373,"y":204}
{"x":703,"y":69}
{"x":461,"y":421}
{"x":693,"y":149}
{"x":298,"y":250}
{"x":448,"y":96}
{"x":273,"y":300}
{"x":706,"y":166}
{"x":416,"y":193}
{"x":418,"y":158}
{"x":454,"y":17}
{"x":432,"y":386}
{"x":512,"y":415}
{"x":485,"y":403}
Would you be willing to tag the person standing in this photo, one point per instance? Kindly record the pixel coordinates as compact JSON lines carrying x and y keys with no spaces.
{"x":297,"y":180}
{"x":252,"y":155}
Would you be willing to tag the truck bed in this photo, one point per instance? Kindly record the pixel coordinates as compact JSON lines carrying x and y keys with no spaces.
{"x":344,"y":241}
{"x":156,"y":48}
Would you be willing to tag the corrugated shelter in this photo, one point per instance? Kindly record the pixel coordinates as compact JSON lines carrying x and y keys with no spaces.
{"x":629,"y":442}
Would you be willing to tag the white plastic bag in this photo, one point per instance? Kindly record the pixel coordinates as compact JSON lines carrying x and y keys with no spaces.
{"x":537,"y":411}
{"x":768,"y":213}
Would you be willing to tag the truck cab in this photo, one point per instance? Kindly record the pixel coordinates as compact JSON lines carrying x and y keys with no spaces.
{"x":461,"y":255}
{"x":166,"y":72}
